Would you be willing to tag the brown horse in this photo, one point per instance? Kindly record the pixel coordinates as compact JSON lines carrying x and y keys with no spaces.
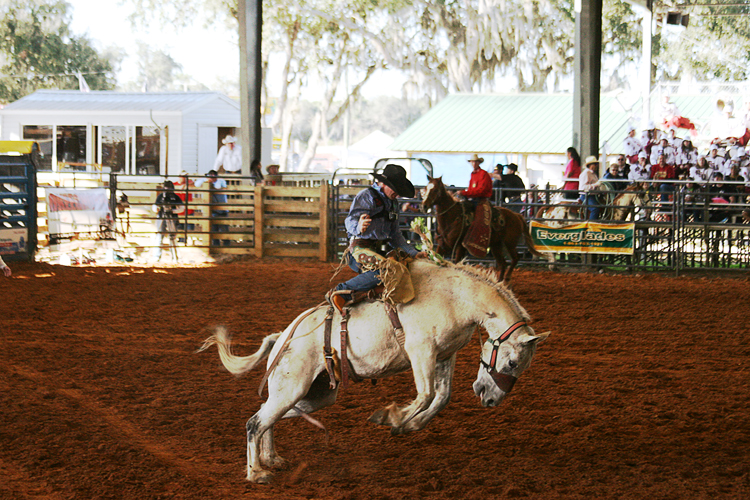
{"x":452,"y":223}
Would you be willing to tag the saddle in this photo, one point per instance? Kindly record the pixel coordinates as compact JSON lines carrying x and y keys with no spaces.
{"x":396,"y":288}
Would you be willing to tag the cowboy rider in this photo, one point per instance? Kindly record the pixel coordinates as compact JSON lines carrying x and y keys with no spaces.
{"x":480,"y":184}
{"x":478,"y":195}
{"x":372,"y":224}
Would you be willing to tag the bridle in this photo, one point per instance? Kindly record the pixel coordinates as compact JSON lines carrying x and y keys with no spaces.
{"x":503,"y":381}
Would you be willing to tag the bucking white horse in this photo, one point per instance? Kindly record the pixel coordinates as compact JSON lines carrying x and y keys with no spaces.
{"x":451,"y":301}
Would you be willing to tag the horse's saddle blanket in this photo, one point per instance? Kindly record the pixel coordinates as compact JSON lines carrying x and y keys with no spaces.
{"x":481,"y":225}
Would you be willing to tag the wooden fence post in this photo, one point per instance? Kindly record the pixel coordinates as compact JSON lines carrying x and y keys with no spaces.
{"x":324,"y":210}
{"x":259,"y":221}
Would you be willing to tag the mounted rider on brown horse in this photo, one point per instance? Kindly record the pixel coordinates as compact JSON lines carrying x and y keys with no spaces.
{"x":506,"y":228}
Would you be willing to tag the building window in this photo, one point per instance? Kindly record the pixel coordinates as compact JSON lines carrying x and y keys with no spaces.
{"x":71,"y":147}
{"x":43,"y":135}
{"x":147,"y":150}
{"x":113,"y":148}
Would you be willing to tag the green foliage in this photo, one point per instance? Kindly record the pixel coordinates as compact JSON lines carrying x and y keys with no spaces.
{"x":37,"y":51}
{"x":711,"y":48}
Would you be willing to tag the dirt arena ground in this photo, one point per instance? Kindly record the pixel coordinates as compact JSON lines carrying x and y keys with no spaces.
{"x":640,"y":392}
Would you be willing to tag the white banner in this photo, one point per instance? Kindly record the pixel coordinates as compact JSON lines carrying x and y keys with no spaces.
{"x":76,"y":210}
{"x":13,"y":240}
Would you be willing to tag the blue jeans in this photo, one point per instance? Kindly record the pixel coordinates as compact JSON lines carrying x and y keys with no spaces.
{"x":593,"y":205}
{"x":363,"y":281}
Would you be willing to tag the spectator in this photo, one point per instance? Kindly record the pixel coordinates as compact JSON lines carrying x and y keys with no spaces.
{"x":624,"y":166}
{"x":218,"y":197}
{"x":571,"y":174}
{"x":497,"y":177}
{"x":182,"y":190}
{"x":631,"y":146}
{"x":589,"y":183}
{"x":513,"y":188}
{"x":720,"y":197}
{"x":674,"y":141}
{"x":642,"y":170}
{"x":273,"y":176}
{"x":165,"y":206}
{"x":702,"y":171}
{"x":715,"y":160}
{"x":649,"y":138}
{"x":372,"y":221}
{"x":736,"y":191}
{"x":663,"y":148}
{"x":663,"y":172}
{"x":4,"y":267}
{"x":229,"y":156}
{"x":612,"y":175}
{"x":256,"y":172}
{"x":686,"y":159}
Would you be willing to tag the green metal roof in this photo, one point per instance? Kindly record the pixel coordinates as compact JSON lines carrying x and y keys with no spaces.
{"x":523,"y":123}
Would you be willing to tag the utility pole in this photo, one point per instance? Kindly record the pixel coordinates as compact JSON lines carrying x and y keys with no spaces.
{"x":251,"y":77}
{"x":587,"y":80}
{"x":645,"y":71}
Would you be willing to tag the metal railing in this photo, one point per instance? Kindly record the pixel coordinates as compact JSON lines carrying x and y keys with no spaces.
{"x":675,"y":231}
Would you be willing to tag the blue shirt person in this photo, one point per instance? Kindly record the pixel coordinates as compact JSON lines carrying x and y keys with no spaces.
{"x":373,"y":229}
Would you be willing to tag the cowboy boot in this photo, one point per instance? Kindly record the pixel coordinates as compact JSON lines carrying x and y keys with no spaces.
{"x":337,"y":299}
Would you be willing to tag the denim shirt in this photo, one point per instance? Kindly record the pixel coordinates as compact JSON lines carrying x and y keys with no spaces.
{"x":383,"y":226}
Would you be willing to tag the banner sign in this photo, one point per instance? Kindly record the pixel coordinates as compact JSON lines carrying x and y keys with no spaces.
{"x":76,"y":211}
{"x":585,"y":237}
{"x":13,"y":241}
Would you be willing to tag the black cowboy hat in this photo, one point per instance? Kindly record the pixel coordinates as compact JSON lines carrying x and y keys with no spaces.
{"x":394,"y":176}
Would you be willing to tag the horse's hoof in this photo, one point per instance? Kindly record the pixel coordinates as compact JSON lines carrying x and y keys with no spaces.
{"x":276,"y":462}
{"x":383,"y":416}
{"x":380,"y":417}
{"x":260,"y":476}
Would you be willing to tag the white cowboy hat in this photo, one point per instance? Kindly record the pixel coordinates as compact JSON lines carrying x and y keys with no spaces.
{"x":642,"y":154}
{"x":591,"y":159}
{"x":229,"y":139}
{"x":475,"y":157}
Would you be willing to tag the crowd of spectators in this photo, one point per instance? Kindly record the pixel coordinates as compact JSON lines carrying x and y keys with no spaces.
{"x":668,"y":162}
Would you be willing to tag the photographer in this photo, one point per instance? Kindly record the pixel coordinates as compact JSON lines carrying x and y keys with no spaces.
{"x":166,"y":206}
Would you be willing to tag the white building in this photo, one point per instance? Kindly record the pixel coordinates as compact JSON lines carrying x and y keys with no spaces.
{"x":157,"y":133}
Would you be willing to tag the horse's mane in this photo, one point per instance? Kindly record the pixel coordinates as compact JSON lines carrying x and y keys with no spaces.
{"x":489,"y":277}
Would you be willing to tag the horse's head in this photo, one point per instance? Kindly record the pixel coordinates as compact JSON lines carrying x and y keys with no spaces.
{"x":504,"y":358}
{"x":432,"y":192}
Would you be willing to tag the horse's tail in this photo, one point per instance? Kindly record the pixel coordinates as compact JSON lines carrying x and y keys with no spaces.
{"x":237,"y":365}
{"x":530,"y":241}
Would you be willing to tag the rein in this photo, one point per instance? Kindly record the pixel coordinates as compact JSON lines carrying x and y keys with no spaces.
{"x":503,"y":380}
{"x":447,"y":209}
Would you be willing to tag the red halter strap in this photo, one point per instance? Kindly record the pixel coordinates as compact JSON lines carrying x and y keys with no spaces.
{"x":502,"y":338}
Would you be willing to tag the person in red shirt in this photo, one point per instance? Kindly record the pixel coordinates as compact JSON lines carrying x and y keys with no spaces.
{"x":572,"y":171}
{"x":478,"y":194}
{"x":480,"y":185}
{"x":182,"y":189}
{"x":662,"y":171}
